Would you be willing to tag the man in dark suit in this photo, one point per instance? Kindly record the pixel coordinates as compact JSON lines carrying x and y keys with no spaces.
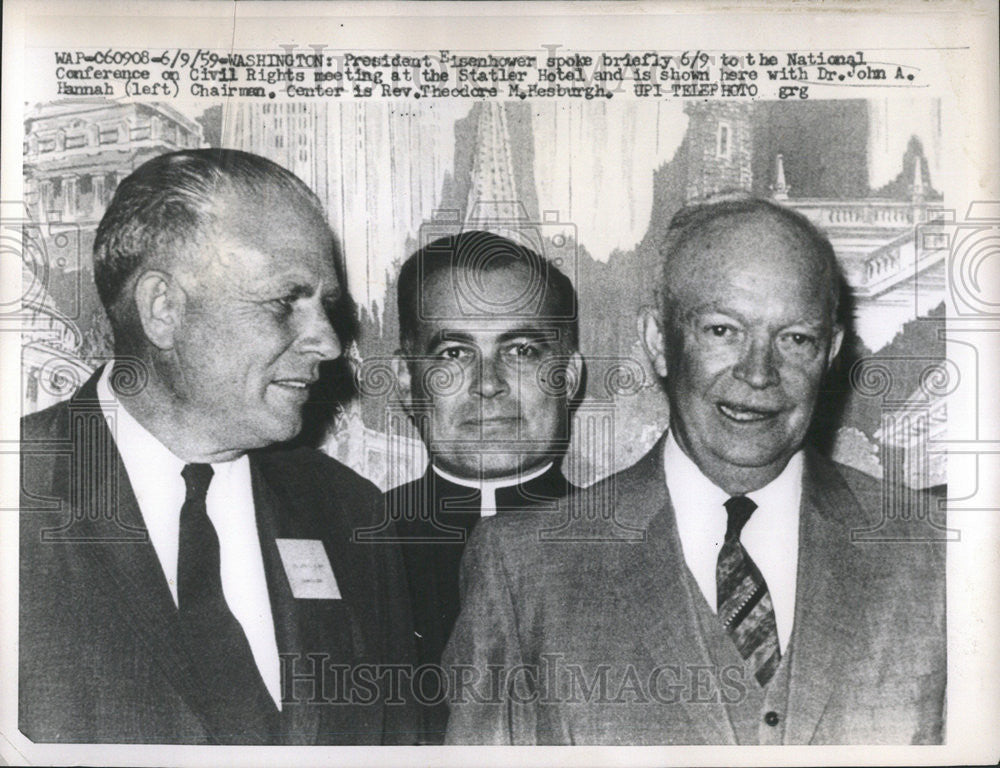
{"x":183,"y":579}
{"x":488,"y":369}
{"x":746,"y":611}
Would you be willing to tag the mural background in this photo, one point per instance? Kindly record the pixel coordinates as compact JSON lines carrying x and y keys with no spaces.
{"x":592,"y":185}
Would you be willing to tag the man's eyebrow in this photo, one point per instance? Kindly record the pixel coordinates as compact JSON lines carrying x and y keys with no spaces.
{"x":298,"y":290}
{"x":712,"y":308}
{"x":530,"y":332}
{"x":809,"y":325}
{"x":445,"y":335}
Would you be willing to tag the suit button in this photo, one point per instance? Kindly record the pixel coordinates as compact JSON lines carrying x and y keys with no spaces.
{"x":771,"y":718}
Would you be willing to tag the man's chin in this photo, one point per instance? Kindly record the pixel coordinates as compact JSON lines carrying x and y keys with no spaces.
{"x":280,"y":431}
{"x":751,"y":459}
{"x":725,"y":451}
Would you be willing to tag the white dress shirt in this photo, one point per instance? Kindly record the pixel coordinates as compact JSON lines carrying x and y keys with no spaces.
{"x":488,"y":488}
{"x":155,"y":475}
{"x":770,"y":537}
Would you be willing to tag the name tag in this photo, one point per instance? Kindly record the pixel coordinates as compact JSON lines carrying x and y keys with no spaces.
{"x":308,"y":569}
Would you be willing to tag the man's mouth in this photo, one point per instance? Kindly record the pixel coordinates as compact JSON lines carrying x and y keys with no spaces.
{"x":745,"y":414}
{"x":294,"y":385}
{"x":493,"y":422}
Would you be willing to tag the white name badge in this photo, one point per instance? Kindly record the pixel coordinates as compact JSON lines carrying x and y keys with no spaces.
{"x":308,"y":569}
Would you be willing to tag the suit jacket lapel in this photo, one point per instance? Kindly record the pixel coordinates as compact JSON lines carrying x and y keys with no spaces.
{"x":109,"y":533}
{"x":333,"y":631}
{"x":300,"y":723}
{"x":651,"y":582}
{"x":829,"y":600}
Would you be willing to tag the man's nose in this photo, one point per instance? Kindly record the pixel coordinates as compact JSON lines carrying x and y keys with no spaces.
{"x":490,"y":379}
{"x":756,"y":365}
{"x":318,"y":336}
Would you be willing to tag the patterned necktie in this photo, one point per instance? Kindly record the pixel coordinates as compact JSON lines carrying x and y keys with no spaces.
{"x":237,"y":699}
{"x":744,"y":604}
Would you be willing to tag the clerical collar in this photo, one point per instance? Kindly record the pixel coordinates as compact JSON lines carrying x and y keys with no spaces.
{"x":488,"y":488}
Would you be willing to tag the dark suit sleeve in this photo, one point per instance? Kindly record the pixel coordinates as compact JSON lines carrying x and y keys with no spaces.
{"x":371,"y":577}
{"x":489,"y":703}
{"x":391,"y":604}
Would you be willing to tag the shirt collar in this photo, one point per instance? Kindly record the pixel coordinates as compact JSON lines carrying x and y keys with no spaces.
{"x":787,"y":485}
{"x":770,"y":536}
{"x":684,"y":476}
{"x":493,"y":485}
{"x":154,"y":474}
{"x":136,"y":444}
{"x":685,"y":481}
{"x":488,"y":488}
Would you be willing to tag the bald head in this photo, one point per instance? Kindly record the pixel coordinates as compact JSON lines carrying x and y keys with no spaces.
{"x":771,"y":246}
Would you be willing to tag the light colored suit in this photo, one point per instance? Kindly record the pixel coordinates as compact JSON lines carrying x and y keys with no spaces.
{"x":618,"y":622}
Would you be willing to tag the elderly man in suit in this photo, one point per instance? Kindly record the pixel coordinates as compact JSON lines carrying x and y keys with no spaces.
{"x":488,"y":369}
{"x":745,"y":613}
{"x":182,"y":578}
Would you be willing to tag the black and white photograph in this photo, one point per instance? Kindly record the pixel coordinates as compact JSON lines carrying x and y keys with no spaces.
{"x":438,"y":376}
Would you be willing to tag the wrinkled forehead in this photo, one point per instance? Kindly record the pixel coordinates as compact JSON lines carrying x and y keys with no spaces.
{"x":268,"y":215}
{"x":486,"y":306}
{"x":504,"y":294}
{"x":267,"y":239}
{"x":758,"y":251}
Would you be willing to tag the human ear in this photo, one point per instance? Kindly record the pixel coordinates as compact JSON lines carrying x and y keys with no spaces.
{"x":835,"y":342}
{"x":160,"y":305}
{"x":651,"y":334}
{"x":574,"y":375}
{"x":401,"y":371}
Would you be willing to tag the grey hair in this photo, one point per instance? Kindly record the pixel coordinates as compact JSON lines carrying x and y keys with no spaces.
{"x":165,"y":208}
{"x":696,"y":216}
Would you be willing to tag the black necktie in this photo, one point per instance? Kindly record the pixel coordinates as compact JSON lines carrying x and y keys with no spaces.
{"x":744,"y":604}
{"x":237,"y":700}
